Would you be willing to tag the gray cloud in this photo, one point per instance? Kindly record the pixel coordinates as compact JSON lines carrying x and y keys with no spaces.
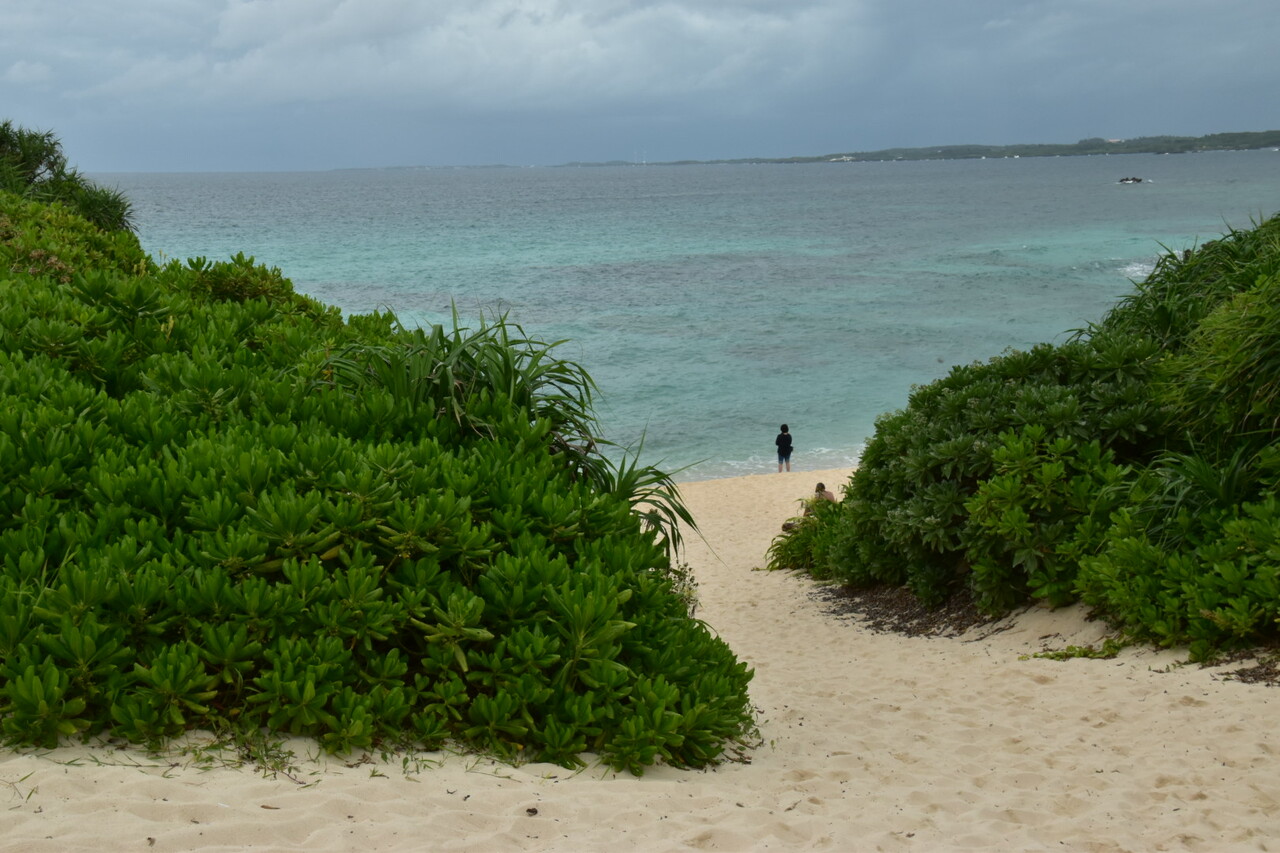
{"x":190,"y":84}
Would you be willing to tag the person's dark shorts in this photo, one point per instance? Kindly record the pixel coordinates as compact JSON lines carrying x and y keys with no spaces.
{"x":784,"y":456}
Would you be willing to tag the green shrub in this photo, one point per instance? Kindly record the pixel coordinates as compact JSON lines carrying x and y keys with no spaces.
{"x":33,"y":166}
{"x":223,"y":506}
{"x":1222,"y":387}
{"x":1046,"y":504}
{"x":1192,"y":557}
{"x":907,"y":517}
{"x":806,"y":540}
{"x":1135,"y":466}
{"x":1185,"y":287}
{"x":53,"y":241}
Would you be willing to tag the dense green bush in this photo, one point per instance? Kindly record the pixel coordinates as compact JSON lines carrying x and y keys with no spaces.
{"x":905,"y":517}
{"x":224,"y":506}
{"x":1134,"y":466}
{"x":51,"y":240}
{"x":1046,"y":503}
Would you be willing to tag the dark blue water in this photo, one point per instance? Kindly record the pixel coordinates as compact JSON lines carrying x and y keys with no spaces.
{"x":712,"y":303}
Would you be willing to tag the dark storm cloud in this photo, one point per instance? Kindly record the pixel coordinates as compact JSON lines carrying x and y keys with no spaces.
{"x":168,"y":84}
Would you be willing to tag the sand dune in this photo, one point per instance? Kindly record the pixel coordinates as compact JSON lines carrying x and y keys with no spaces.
{"x":871,"y":742}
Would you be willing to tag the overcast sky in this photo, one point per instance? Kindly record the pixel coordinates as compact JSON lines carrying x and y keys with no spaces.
{"x":196,"y":85}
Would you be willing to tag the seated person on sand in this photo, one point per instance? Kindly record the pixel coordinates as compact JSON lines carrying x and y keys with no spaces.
{"x":820,"y":493}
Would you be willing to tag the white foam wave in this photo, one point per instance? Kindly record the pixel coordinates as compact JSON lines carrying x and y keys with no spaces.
{"x":818,"y":459}
{"x":1138,"y":270}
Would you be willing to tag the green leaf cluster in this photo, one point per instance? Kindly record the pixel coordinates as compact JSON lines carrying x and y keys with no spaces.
{"x":1134,"y":466}
{"x":223,"y":505}
{"x":33,"y":166}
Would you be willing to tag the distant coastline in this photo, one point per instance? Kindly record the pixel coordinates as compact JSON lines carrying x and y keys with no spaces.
{"x":1244,"y":141}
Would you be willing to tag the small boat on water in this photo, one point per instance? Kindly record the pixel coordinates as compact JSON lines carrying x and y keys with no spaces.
{"x":1131,"y":180}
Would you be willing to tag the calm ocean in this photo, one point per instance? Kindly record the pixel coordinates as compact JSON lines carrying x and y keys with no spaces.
{"x":712,"y":303}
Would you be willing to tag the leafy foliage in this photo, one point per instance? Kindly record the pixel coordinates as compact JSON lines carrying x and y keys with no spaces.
{"x":1134,"y":466}
{"x":1029,"y":522}
{"x":805,"y":539}
{"x":33,"y":166}
{"x":224,"y":506}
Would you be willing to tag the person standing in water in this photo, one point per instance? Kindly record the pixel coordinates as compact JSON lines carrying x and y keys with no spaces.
{"x":783,"y":441}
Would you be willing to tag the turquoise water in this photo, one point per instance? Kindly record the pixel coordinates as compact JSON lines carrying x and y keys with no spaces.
{"x":712,"y":303}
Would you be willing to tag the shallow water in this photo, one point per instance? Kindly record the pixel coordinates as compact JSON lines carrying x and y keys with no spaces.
{"x":712,"y":303}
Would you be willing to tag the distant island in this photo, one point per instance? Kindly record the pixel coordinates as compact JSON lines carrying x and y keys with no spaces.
{"x":1247,"y":141}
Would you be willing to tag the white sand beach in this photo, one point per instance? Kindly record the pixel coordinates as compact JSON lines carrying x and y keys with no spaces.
{"x":870,"y":742}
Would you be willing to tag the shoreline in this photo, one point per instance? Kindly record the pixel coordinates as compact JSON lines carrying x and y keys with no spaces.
{"x":837,"y":466}
{"x":868,"y":741}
